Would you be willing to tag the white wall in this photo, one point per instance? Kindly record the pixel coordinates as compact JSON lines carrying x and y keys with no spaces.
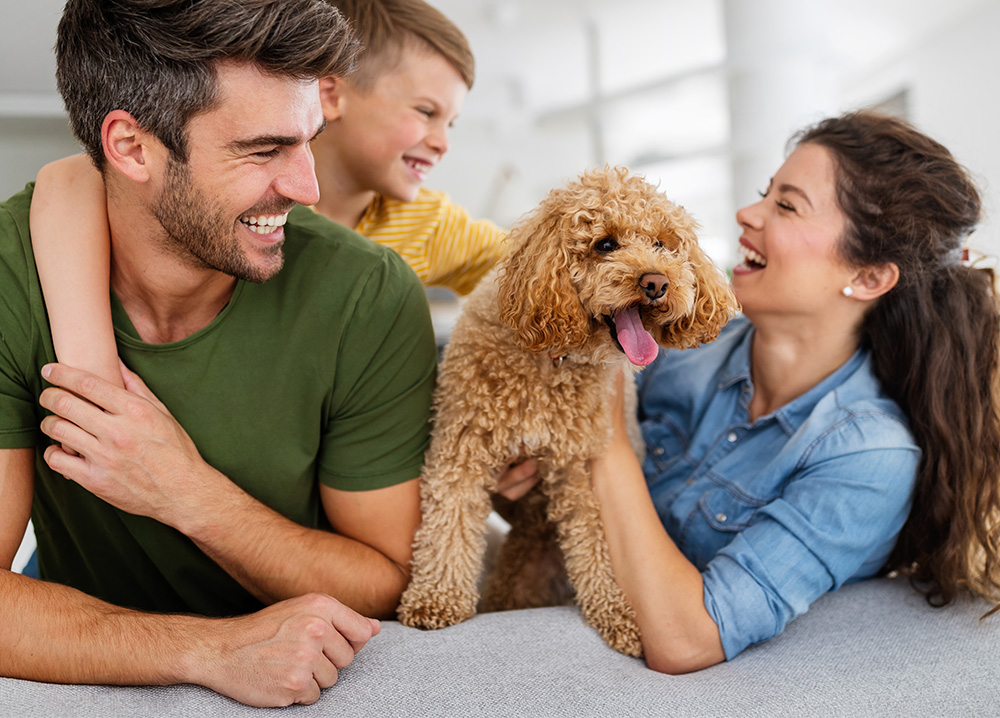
{"x":951,"y":74}
{"x":33,"y":129}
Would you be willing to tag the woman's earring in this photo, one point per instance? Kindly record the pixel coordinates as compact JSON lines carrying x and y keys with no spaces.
{"x":847,"y":291}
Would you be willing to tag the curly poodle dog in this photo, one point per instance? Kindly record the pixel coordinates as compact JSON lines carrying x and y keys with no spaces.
{"x":603,"y":271}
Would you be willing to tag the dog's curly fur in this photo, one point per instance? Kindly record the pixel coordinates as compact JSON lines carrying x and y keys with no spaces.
{"x":528,"y":373}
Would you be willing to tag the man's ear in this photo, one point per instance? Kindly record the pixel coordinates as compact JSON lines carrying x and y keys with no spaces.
{"x":873,"y":282}
{"x":331,"y":96}
{"x":127,"y":146}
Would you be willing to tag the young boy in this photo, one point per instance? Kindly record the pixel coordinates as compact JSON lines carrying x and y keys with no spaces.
{"x":387,"y":127}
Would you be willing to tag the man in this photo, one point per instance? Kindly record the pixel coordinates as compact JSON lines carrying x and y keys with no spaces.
{"x":284,"y":471}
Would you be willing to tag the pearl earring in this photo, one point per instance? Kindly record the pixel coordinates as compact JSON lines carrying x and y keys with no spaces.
{"x":847,"y":291}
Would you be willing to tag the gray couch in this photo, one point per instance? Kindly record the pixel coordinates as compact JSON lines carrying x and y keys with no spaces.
{"x":871,"y":649}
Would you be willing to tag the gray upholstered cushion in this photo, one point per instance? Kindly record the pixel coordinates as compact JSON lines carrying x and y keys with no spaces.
{"x":872,"y":649}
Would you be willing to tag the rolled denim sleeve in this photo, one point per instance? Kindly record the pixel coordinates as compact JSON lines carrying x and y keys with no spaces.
{"x":836,"y":521}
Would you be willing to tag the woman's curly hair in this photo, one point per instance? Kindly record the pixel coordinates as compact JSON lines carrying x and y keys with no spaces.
{"x":935,"y":340}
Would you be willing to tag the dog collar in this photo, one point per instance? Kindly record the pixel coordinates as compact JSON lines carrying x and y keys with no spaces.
{"x":557,"y":361}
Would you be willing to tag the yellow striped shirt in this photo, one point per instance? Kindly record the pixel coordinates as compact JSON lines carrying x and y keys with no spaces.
{"x":436,"y":238}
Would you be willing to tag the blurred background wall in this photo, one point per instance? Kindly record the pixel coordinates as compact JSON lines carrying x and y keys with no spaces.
{"x":698,"y":95}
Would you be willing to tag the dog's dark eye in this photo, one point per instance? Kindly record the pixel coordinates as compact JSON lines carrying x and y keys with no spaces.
{"x":606,"y":246}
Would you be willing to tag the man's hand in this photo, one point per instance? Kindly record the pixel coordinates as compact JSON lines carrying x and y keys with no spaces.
{"x":120,"y":444}
{"x":286,"y":653}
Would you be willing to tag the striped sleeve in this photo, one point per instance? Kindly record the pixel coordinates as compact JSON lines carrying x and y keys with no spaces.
{"x":437,"y":238}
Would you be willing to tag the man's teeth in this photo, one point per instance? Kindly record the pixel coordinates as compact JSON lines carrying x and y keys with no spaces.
{"x":264,"y":223}
{"x":752,"y":257}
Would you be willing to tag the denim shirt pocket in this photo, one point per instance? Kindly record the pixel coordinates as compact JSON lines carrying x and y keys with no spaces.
{"x":727,"y":511}
{"x":665,"y":446}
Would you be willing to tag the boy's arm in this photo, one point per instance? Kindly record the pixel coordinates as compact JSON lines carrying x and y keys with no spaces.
{"x":72,"y":246}
{"x":284,"y":654}
{"x":462,"y":250}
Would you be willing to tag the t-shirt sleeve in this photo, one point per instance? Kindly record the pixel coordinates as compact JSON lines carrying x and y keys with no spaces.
{"x":462,"y":250}
{"x":378,"y":429}
{"x":19,"y":413}
{"x":836,"y":520}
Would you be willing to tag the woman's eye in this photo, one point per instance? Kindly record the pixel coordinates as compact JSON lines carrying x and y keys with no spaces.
{"x":785,"y":206}
{"x":606,"y":246}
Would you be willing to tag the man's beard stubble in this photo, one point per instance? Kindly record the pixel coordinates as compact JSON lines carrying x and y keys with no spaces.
{"x":201,"y":235}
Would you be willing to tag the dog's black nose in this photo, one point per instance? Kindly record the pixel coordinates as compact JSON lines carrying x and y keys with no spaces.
{"x":654,"y":285}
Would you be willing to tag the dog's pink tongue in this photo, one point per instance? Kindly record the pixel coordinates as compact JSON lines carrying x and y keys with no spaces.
{"x":639,"y":346}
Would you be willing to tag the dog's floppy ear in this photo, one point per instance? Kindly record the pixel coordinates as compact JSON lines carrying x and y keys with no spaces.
{"x":713,"y":306}
{"x":535,"y":296}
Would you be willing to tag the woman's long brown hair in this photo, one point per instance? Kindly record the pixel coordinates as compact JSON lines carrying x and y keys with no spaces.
{"x":935,"y":341}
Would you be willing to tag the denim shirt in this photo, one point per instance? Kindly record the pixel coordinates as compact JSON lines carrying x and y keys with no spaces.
{"x":778,"y":511}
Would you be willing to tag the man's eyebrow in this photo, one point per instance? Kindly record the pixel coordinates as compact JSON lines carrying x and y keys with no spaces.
{"x":254,"y":143}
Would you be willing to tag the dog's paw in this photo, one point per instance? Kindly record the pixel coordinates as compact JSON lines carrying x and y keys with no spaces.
{"x":435,"y":610}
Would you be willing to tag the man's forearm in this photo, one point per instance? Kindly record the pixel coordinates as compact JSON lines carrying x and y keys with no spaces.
{"x":134,"y":455}
{"x":58,"y":634}
{"x":286,"y":653}
{"x":275,"y":558}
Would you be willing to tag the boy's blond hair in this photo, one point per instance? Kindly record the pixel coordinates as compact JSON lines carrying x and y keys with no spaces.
{"x":385,"y":27}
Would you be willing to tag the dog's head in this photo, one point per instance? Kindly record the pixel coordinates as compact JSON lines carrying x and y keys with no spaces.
{"x":609,"y":260}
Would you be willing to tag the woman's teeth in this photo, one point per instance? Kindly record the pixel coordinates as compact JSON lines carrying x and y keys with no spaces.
{"x":264,"y":223}
{"x":752,"y":258}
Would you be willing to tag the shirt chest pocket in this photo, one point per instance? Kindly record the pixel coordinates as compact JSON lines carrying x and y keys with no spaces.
{"x":726,"y":511}
{"x":665,"y":448}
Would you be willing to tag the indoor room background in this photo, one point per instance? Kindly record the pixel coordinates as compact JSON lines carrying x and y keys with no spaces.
{"x":699,"y":96}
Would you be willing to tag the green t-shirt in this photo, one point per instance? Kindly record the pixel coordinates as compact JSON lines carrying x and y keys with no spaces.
{"x":323,"y":374}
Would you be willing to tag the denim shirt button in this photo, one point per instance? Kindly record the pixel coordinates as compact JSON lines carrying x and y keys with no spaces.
{"x":732,"y":437}
{"x":690,"y":482}
{"x":658,"y":451}
{"x":721,"y":518}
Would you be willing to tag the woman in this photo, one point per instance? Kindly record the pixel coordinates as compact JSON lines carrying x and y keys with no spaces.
{"x":846,"y":425}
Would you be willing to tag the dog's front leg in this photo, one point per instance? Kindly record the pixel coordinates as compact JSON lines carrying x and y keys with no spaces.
{"x":573,"y":509}
{"x":448,"y":547}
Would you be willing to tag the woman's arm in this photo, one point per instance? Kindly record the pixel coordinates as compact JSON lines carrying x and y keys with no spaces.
{"x":664,"y":588}
{"x":72,"y":245}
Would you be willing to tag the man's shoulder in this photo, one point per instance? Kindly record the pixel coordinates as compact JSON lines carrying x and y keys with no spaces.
{"x":320,"y":252}
{"x":311,"y":235}
{"x":14,"y":232}
{"x":16,"y":257}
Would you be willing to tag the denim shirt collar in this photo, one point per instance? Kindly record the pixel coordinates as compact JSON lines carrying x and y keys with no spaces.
{"x":736,"y":372}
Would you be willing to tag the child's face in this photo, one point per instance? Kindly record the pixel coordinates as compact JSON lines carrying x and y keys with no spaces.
{"x":388,"y":138}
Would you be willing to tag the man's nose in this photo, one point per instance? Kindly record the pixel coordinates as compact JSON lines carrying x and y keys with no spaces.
{"x":298,"y":180}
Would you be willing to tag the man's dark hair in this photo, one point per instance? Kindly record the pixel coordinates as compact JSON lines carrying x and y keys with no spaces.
{"x":157,"y":59}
